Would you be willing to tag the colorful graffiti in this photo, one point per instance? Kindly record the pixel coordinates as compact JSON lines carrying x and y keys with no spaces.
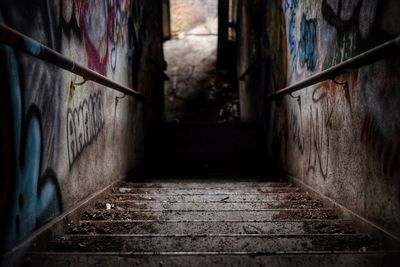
{"x":119,"y":13}
{"x":46,"y":129}
{"x":302,"y":41}
{"x":103,"y":28}
{"x":31,"y":99}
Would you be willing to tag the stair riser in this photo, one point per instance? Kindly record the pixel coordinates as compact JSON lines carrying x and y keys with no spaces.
{"x":332,"y":260}
{"x":210,"y":215}
{"x":202,"y":191}
{"x":263,"y":244}
{"x":205,"y":185}
{"x":210,"y":198}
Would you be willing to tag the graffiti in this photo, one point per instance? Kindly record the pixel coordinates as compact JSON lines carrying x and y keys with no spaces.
{"x":119,"y":11}
{"x":301,"y":39}
{"x":35,"y":196}
{"x":94,"y":33}
{"x":93,"y":20}
{"x":308,"y":52}
{"x":291,"y":9}
{"x":68,"y":22}
{"x":342,"y":49}
{"x":336,"y":20}
{"x":84,"y":123}
{"x":346,"y":41}
{"x":318,"y":149}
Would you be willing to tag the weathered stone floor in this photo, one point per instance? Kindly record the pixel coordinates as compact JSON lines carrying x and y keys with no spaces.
{"x":216,"y":223}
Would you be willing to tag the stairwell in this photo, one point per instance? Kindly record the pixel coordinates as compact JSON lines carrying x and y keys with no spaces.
{"x":192,"y":211}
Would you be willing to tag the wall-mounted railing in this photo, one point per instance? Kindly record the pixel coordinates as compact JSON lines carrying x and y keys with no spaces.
{"x":375,"y":54}
{"x":22,"y":42}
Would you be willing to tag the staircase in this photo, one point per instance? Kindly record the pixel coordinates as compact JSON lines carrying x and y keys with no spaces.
{"x":211,"y":223}
{"x":215,"y":218}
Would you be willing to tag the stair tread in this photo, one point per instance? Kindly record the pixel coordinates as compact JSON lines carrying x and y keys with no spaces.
{"x":207,"y":191}
{"x":201,"y":227}
{"x":242,"y":223}
{"x":221,"y":205}
{"x":267,"y":214}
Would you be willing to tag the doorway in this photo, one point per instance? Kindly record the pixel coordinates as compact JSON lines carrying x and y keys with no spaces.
{"x":200,"y":87}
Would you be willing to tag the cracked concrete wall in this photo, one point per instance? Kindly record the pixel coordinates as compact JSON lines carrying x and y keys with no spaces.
{"x":343,"y":142}
{"x":62,"y":141}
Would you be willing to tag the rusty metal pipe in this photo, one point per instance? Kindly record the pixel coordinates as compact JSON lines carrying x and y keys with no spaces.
{"x":375,"y":54}
{"x":22,"y":42}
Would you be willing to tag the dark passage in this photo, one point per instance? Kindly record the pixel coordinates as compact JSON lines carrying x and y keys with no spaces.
{"x":200,"y":133}
{"x":197,"y":91}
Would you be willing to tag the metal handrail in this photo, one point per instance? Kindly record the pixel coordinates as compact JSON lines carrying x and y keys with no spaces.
{"x":375,"y":54}
{"x":20,"y":41}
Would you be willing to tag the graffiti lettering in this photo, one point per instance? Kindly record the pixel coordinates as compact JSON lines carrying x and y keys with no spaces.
{"x":318,"y":151}
{"x":84,"y":124}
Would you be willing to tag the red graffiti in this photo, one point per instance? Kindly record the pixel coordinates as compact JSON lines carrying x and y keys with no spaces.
{"x":103,"y":26}
{"x":93,"y":22}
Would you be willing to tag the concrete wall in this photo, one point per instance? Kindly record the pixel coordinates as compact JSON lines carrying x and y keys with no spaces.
{"x":62,"y":141}
{"x":186,"y":14}
{"x":345,"y":143}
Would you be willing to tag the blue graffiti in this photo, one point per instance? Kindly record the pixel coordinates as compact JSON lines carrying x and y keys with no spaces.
{"x":291,"y":7}
{"x":308,"y":52}
{"x":32,"y":46}
{"x":35,"y":197}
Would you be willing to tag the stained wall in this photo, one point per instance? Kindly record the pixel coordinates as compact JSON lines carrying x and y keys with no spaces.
{"x":340,"y":137}
{"x":62,"y":138}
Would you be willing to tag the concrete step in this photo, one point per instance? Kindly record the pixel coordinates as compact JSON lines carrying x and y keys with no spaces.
{"x":202,"y":223}
{"x":259,"y":215}
{"x":337,"y":259}
{"x":152,"y":205}
{"x":208,"y":191}
{"x":216,"y":227}
{"x":204,"y":184}
{"x":211,"y":197}
{"x":260,"y":243}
